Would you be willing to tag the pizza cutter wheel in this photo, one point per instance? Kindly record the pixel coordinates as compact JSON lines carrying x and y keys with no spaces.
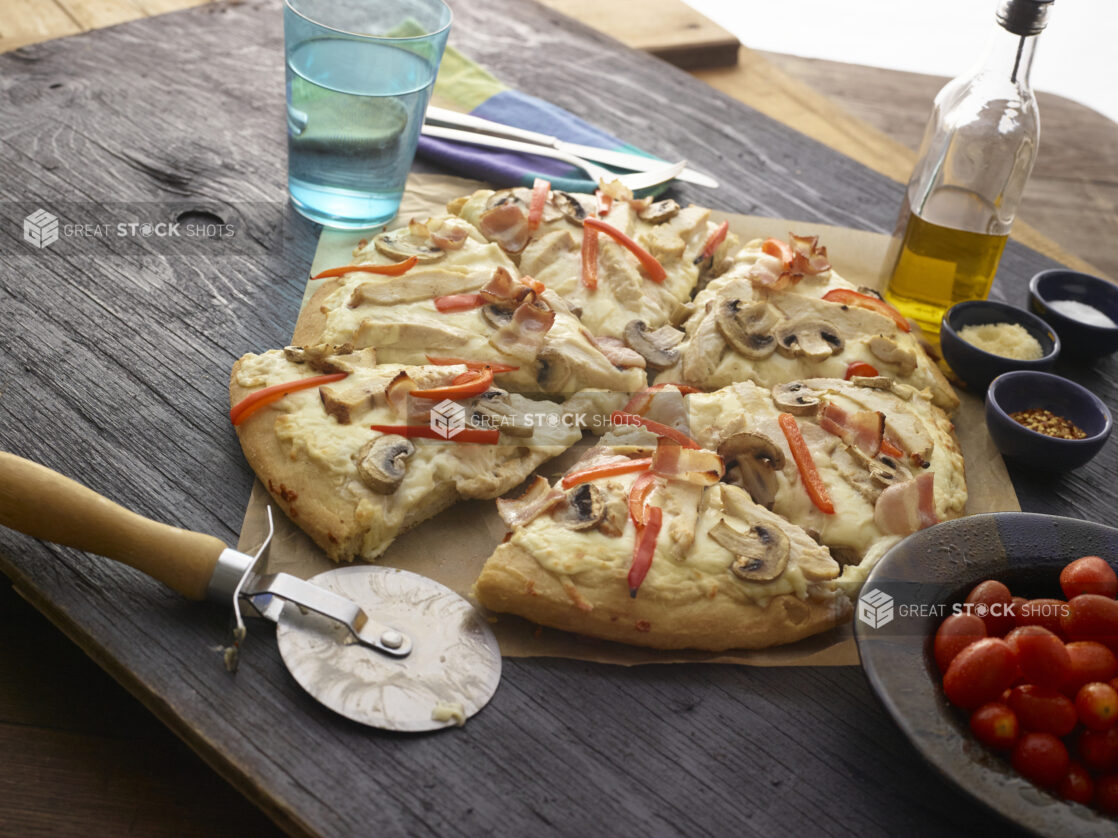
{"x":381,"y":646}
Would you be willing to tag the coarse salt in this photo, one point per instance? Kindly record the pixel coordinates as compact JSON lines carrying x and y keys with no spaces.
{"x":1082,"y":312}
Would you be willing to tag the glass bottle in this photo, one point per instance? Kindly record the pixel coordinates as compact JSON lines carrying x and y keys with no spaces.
{"x":976,"y":155}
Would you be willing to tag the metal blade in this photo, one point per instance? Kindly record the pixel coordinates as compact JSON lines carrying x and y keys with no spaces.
{"x":453,"y":668}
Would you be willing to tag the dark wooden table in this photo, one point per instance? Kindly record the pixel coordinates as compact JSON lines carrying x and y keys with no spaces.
{"x":114,"y":359}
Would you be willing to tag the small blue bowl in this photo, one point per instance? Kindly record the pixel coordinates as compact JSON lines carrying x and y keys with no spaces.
{"x":977,"y":367}
{"x":1027,"y":389}
{"x":1081,"y":340}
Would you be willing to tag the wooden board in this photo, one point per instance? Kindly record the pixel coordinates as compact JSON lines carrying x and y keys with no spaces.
{"x":114,"y":369}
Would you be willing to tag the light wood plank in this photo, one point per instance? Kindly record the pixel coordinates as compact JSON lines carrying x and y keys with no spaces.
{"x":96,"y":14}
{"x":669,"y":29}
{"x":24,"y":22}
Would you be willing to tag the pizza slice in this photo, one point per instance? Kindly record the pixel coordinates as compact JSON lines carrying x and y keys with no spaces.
{"x":859,"y":464}
{"x":782,"y":313}
{"x":626,"y":266}
{"x":644,"y":545}
{"x":356,"y":452}
{"x":467,"y":305}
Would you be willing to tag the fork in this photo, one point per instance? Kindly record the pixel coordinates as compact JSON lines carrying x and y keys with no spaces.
{"x":633,"y":181}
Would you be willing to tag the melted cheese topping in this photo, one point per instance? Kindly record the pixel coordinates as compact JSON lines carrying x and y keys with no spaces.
{"x":307,"y":432}
{"x":593,"y":559}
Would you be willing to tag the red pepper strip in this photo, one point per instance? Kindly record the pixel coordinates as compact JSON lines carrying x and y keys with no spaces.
{"x":779,"y":249}
{"x":459,"y":302}
{"x":261,"y":398}
{"x":540,"y":190}
{"x":463,"y":386}
{"x":642,"y":399}
{"x":651,"y":266}
{"x":605,"y":202}
{"x":846,"y":297}
{"x":605,"y":470}
{"x":384,"y":270}
{"x":486,"y":437}
{"x":638,"y":493}
{"x":890,"y":449}
{"x":645,"y":548}
{"x":534,"y":284}
{"x":471,"y":365}
{"x":658,"y":428}
{"x":590,"y":258}
{"x":809,"y":474}
{"x":860,"y":368}
{"x":716,"y":238}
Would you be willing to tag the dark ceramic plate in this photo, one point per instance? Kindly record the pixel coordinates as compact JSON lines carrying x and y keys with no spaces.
{"x":925,"y":575}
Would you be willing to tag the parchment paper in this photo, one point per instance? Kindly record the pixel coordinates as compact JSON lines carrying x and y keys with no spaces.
{"x":452,"y":547}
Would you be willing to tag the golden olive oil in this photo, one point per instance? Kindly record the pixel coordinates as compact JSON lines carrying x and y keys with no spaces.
{"x":937,"y":267}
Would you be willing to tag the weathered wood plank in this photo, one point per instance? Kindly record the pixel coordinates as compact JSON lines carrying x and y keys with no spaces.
{"x":114,"y":368}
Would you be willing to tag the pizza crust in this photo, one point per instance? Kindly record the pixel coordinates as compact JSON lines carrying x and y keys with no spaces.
{"x":513,"y":582}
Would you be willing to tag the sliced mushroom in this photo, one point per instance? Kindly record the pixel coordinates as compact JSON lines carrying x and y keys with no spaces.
{"x":658,"y":347}
{"x":494,"y":409}
{"x":584,"y":508}
{"x":521,"y":196}
{"x":845,"y":555}
{"x":796,"y":398}
{"x":752,"y":461}
{"x":318,"y":357}
{"x":660,"y":211}
{"x":569,"y":206}
{"x":554,"y":370}
{"x":413,"y":240}
{"x":499,"y":314}
{"x":888,"y":350}
{"x":811,"y":337}
{"x":884,"y":470}
{"x":874,"y":382}
{"x":747,"y":327}
{"x":760,"y":553}
{"x":870,"y":292}
{"x":381,"y":462}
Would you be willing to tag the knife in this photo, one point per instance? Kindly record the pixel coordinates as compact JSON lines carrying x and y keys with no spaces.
{"x":619,"y":159}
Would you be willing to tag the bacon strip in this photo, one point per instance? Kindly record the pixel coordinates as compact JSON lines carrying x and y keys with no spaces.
{"x":538,"y":499}
{"x":781,"y":265}
{"x":523,"y":336}
{"x":863,"y":430}
{"x":907,"y":507}
{"x":450,"y":237}
{"x":692,"y":465}
{"x":617,"y":352}
{"x":507,"y":225}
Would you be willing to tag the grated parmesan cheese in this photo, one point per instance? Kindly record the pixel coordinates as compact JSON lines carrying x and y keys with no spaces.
{"x":1009,"y":340}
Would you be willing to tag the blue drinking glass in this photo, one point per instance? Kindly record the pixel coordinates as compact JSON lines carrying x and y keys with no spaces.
{"x":359,"y":76}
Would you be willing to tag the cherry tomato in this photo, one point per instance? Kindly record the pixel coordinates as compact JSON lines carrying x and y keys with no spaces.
{"x":1041,"y":758}
{"x":995,"y":725}
{"x":1099,"y":749}
{"x":1106,"y":793}
{"x":1077,"y":784}
{"x":1091,"y":617}
{"x":1097,"y":705}
{"x":992,"y":601}
{"x":1043,"y":710}
{"x":1090,"y":661}
{"x":1040,"y":612}
{"x":980,"y":672}
{"x":1089,"y":575}
{"x":1042,"y":656}
{"x":954,"y":634}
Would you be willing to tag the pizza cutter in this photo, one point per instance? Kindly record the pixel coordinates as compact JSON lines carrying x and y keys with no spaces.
{"x":381,"y":646}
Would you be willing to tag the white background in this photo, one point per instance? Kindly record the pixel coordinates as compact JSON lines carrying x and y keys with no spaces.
{"x":1077,"y":55}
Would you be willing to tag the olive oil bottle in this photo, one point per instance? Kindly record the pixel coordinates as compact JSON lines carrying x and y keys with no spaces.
{"x":976,"y":156}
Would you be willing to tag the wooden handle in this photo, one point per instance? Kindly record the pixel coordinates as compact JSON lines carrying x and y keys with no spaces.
{"x":44,"y":504}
